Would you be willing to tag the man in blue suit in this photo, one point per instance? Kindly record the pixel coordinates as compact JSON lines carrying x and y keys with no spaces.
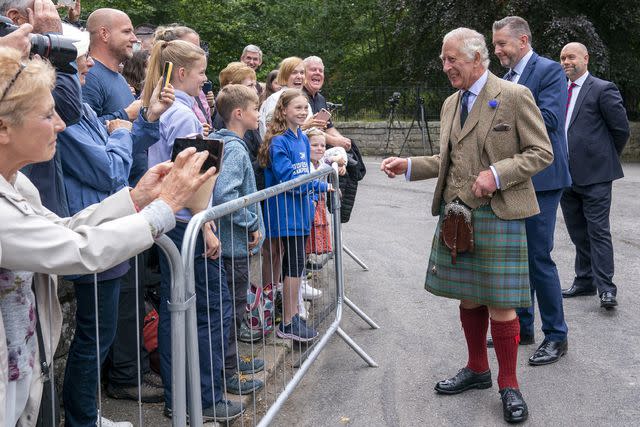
{"x":597,"y":130}
{"x":547,"y":82}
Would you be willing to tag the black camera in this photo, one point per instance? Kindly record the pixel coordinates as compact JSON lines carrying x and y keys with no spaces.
{"x":331,"y":106}
{"x":59,"y":50}
{"x":395,"y":99}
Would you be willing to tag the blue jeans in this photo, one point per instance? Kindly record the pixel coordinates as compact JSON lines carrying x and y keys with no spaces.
{"x":213,"y":333}
{"x":81,"y":373}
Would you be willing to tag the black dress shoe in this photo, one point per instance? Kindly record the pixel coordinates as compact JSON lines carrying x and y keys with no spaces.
{"x":608,"y":300}
{"x":465,"y":379}
{"x":514,"y":408}
{"x":549,"y":352}
{"x":578,"y":291}
{"x":524,"y":340}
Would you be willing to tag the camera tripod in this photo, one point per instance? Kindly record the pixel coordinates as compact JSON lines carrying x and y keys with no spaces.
{"x":419,"y":118}
{"x":392,"y":117}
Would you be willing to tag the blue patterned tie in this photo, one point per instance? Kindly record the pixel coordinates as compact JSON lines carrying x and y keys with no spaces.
{"x":464,"y":107}
{"x":510,"y":75}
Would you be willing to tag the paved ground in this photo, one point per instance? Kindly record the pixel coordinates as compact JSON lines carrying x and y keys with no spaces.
{"x":421,"y":341}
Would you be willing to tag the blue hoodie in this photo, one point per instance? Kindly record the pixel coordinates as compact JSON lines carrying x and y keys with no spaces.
{"x":290,"y":213}
{"x":236,"y":180}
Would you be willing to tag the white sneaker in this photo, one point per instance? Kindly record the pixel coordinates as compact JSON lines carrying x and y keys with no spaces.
{"x":302,"y":309}
{"x":106,"y":422}
{"x":308,"y":292}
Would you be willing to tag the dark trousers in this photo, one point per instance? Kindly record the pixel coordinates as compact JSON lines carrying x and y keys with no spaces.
{"x":213,"y":308}
{"x":543,"y":274}
{"x":122,"y":361}
{"x":237,"y":270}
{"x":586,"y":213}
{"x":81,"y":373}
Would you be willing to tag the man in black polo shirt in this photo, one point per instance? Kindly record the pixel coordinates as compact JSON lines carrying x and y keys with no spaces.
{"x":314,"y":79}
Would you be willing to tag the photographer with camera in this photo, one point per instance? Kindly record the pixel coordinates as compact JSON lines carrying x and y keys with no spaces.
{"x":43,"y":17}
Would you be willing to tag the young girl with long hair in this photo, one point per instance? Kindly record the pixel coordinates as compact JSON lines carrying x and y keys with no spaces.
{"x":179,"y":121}
{"x":285,"y":156}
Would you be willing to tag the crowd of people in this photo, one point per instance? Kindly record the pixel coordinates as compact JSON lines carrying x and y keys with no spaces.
{"x":512,"y":150}
{"x":83,"y":152}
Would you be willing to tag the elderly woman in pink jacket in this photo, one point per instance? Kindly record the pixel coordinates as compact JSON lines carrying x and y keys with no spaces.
{"x":37,"y":244}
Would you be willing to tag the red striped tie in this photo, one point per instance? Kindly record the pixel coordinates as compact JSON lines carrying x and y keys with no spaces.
{"x":571,"y":86}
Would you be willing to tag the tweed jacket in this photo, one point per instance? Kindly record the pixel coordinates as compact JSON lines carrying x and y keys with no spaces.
{"x":35,"y":239}
{"x":511,"y":136}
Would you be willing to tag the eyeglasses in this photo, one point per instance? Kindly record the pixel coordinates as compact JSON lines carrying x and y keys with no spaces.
{"x":12,"y":81}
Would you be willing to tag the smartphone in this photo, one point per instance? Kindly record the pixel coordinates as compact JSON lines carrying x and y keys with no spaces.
{"x":207,"y":87}
{"x":323,"y":115}
{"x":166,"y":75}
{"x":215,"y":147}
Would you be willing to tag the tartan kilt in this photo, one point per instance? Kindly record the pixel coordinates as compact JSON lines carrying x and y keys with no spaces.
{"x":496,"y":274}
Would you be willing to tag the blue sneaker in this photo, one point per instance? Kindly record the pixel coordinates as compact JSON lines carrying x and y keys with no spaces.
{"x":297,"y":330}
{"x":250,"y":365}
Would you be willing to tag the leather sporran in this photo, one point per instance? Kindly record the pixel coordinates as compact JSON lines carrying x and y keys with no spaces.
{"x":456,"y":230}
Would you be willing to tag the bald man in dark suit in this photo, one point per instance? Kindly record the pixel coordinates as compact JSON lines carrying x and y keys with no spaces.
{"x":597,"y":130}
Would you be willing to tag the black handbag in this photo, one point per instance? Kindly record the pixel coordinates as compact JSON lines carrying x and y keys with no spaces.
{"x":49,"y":400}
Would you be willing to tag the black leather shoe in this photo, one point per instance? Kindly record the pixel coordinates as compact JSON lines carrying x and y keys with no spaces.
{"x":608,"y":300}
{"x":465,"y":379}
{"x":524,"y":340}
{"x":549,"y":352}
{"x":514,"y":408}
{"x":578,"y":291}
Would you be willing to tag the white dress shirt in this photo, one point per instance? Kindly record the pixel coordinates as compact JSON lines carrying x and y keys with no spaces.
{"x":520,"y":66}
{"x":574,"y":95}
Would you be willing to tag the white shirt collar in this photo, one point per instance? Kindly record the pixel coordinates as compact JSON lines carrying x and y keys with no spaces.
{"x":520,"y":66}
{"x":479,"y":84}
{"x":580,"y":80}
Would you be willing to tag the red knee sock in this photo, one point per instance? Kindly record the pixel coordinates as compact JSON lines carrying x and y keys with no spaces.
{"x":475,"y":323}
{"x":506,"y":336}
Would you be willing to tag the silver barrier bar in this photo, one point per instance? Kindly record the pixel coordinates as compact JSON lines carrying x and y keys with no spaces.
{"x":355,"y":257}
{"x":178,"y":306}
{"x":188,"y":256}
{"x":335,"y":325}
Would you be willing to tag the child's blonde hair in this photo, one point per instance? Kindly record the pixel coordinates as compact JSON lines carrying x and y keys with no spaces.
{"x":235,"y":73}
{"x":183,"y":55}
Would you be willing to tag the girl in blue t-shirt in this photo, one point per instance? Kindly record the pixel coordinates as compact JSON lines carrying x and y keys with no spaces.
{"x":285,"y":156}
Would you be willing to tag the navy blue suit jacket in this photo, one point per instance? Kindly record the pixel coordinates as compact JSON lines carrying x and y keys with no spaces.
{"x":548,"y":83}
{"x":598,"y":131}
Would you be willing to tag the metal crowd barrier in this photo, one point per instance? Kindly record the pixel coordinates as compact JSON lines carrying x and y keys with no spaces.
{"x":178,"y":309}
{"x":324,"y":313}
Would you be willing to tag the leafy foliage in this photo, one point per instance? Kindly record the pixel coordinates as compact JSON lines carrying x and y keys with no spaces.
{"x":396,"y":42}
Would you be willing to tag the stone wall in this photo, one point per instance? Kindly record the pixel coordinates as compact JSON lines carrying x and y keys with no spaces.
{"x":372,"y":138}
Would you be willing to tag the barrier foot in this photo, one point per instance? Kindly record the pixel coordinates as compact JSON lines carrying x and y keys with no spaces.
{"x":355,"y":258}
{"x":372,"y":363}
{"x":361,"y":313}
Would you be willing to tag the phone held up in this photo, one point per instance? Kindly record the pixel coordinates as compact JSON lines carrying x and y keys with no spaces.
{"x":215,"y":147}
{"x":207,"y":87}
{"x":166,"y":75}
{"x":323,"y":115}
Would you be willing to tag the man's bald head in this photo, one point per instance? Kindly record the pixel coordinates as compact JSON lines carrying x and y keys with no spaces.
{"x":104,"y":17}
{"x":112,"y":35}
{"x":574,"y":58}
